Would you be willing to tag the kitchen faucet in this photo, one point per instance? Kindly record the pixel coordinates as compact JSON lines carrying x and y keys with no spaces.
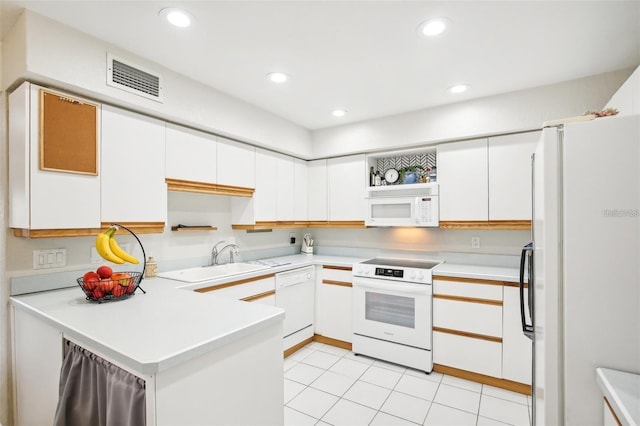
{"x":215,"y":253}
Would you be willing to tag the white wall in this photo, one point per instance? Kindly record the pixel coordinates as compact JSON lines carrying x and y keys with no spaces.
{"x":506,"y":113}
{"x":50,"y":53}
{"x":5,"y":345}
{"x":627,"y":97}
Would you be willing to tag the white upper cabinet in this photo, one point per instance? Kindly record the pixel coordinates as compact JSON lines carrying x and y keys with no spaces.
{"x":265,"y":197}
{"x":191,"y":155}
{"x":236,"y":164}
{"x":317,"y":190}
{"x":347,"y":182}
{"x":285,"y":184}
{"x":462,"y":177}
{"x":300,"y":185}
{"x":510,"y":176}
{"x":41,"y":198}
{"x":133,"y":167}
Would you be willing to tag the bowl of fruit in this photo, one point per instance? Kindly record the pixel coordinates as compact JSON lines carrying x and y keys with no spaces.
{"x":105,"y":284}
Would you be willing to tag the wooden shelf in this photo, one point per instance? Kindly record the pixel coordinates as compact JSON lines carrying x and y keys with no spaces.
{"x":193,"y":228}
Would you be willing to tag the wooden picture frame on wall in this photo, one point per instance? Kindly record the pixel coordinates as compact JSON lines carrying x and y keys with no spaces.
{"x":68,"y":134}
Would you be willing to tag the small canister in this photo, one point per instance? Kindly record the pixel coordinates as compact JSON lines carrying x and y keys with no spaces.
{"x":151,"y":268}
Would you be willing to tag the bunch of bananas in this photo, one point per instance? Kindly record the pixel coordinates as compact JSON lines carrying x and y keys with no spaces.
{"x":108,"y":248}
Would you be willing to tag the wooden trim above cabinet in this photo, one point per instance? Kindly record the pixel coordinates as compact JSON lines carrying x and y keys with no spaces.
{"x":481,"y":378}
{"x":288,"y":224}
{"x":486,"y":224}
{"x":207,"y":188}
{"x":137,"y":227}
{"x":613,"y":413}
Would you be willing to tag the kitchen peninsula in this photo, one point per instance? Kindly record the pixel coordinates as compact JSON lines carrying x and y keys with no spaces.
{"x":204,"y":359}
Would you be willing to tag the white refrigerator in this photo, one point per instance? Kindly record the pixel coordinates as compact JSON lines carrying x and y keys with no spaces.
{"x":584,"y":265}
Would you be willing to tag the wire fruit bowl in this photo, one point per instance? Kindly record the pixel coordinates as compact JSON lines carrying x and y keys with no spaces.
{"x":121,"y":285}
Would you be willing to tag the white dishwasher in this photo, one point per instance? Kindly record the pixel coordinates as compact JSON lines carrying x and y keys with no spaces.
{"x":295,"y":291}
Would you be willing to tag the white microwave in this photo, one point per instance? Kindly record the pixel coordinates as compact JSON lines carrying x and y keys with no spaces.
{"x":403,"y":205}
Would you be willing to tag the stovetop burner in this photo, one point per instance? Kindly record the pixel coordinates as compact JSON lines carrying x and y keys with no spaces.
{"x":402,"y":263}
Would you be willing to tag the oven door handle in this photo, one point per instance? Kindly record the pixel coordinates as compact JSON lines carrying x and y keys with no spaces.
{"x":391,"y":286}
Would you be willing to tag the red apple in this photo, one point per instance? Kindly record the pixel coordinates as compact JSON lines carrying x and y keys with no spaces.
{"x":90,"y":275}
{"x":97,"y":293}
{"x":90,"y":283}
{"x":104,"y":271}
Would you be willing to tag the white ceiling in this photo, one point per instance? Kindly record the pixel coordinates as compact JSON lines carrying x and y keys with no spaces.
{"x":364,"y":56}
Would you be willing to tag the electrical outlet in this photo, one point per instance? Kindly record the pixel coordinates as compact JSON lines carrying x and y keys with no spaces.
{"x":292,"y":238}
{"x":49,"y":258}
{"x":96,"y":258}
{"x":475,"y":242}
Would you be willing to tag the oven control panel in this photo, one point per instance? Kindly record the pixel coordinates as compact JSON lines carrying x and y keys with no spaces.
{"x":410,"y":275}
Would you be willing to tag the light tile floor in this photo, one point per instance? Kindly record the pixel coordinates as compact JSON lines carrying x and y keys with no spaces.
{"x":325,"y":385}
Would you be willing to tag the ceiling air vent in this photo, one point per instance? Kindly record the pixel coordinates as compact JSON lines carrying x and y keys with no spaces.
{"x":133,"y":79}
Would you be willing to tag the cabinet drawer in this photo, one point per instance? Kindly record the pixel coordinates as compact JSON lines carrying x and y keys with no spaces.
{"x":476,"y":355}
{"x":471,"y":317}
{"x":468,"y":287}
{"x":336,"y":274}
{"x":243,"y":289}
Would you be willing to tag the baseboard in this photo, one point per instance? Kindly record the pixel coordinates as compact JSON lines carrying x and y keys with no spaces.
{"x":481,"y":378}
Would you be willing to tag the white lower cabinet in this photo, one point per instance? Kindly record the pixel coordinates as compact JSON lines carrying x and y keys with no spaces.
{"x":467,"y":324}
{"x":333,"y":303}
{"x":516,"y":347}
{"x":466,"y":353}
{"x":37,"y":360}
{"x":259,"y":289}
{"x":476,"y":328}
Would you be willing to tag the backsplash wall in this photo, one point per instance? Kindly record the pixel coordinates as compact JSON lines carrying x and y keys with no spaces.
{"x":193,"y":248}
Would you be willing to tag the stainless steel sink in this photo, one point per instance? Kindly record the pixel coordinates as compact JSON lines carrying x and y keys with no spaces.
{"x":206,"y":273}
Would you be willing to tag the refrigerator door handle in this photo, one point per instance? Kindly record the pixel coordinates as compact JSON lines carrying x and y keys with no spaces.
{"x":527,"y":252}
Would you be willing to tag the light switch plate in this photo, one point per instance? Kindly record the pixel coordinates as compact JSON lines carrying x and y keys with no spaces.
{"x":49,"y":258}
{"x":475,"y":242}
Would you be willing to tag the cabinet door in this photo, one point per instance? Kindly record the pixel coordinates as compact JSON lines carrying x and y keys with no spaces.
{"x":318,"y":201}
{"x":265,"y":197}
{"x":300,"y":195}
{"x":37,"y":360}
{"x":516,"y":348}
{"x":133,"y":163}
{"x":347,"y":180}
{"x":44,"y":199}
{"x":285,"y":185}
{"x":333,"y":304}
{"x":510,"y":176}
{"x":191,"y":155}
{"x":462,"y":176}
{"x":236,"y":164}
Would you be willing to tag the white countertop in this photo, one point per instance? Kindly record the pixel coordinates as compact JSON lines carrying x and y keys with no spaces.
{"x":622,"y":390}
{"x":171,"y":324}
{"x":496,"y":273}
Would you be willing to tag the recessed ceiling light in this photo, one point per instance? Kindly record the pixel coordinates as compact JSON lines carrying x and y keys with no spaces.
{"x":458,"y":88}
{"x":177,"y":17}
{"x":434,"y":27}
{"x":339,"y":112}
{"x":277,"y":77}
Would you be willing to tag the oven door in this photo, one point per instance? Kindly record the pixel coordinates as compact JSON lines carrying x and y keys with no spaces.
{"x":393,"y":311}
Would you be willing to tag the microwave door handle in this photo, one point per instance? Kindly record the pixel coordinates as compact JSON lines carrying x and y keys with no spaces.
{"x":527,"y":329}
